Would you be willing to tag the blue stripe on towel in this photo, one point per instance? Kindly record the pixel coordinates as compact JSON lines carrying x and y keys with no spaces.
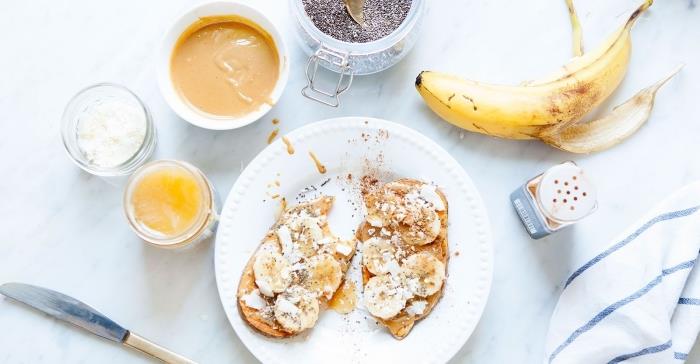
{"x":646,"y":351}
{"x":630,"y":238}
{"x":610,"y":309}
{"x":689,"y":301}
{"x":680,"y":356}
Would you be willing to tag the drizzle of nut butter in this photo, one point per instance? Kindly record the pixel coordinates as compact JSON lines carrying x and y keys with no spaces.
{"x":319,"y":166}
{"x":290,"y":147}
{"x":273,"y":135}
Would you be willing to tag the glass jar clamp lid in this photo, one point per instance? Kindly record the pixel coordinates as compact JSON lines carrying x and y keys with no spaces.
{"x":334,"y":41}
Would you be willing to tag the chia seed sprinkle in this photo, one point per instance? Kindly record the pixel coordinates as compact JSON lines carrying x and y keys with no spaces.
{"x":381,"y":18}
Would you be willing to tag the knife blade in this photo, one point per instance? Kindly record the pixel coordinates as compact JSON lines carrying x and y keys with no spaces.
{"x":69,"y":309}
{"x":65,"y":308}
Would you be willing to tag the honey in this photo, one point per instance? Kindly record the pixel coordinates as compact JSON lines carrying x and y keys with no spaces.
{"x":167,"y":200}
{"x":169,"y":203}
{"x":345,"y":299}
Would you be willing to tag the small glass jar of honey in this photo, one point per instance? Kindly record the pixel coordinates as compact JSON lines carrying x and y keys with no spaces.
{"x":170,"y":204}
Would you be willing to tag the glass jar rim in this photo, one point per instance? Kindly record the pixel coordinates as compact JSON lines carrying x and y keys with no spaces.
{"x":375,"y":46}
{"x":197,"y":227}
{"x":69,"y":137}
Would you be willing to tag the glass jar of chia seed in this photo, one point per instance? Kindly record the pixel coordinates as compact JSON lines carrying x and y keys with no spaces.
{"x":346,"y":58}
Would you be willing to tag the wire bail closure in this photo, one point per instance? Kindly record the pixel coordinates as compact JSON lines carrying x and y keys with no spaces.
{"x":335,"y":60}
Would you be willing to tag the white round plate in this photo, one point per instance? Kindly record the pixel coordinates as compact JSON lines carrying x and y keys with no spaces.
{"x":350,"y":148}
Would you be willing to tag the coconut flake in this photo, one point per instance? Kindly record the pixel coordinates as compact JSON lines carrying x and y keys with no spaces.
{"x":285,"y":238}
{"x":343,"y":249}
{"x":264,"y":286}
{"x":417,"y":307}
{"x":375,"y":221}
{"x":430,"y":195}
{"x":253,"y":300}
{"x":392,"y":267}
{"x":286,"y":306}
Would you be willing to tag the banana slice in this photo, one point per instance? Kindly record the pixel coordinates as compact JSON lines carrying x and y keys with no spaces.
{"x":385,"y":207}
{"x":324,"y":275}
{"x":272,"y":272}
{"x":384,"y":296}
{"x":345,"y":247}
{"x":300,"y":238}
{"x":423,"y":273}
{"x":421,"y":226}
{"x":296,"y":309}
{"x":378,"y":255}
{"x":410,"y":210}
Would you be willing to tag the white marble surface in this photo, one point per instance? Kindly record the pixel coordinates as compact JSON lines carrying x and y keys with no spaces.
{"x":64,"y":229}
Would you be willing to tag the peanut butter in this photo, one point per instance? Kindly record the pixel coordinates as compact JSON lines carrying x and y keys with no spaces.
{"x":225,"y":66}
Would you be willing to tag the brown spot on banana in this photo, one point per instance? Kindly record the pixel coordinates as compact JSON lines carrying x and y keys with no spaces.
{"x":480,"y":128}
{"x":470,"y":100}
{"x":571,"y":104}
{"x":421,"y":87}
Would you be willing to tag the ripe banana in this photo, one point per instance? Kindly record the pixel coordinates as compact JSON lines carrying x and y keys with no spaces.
{"x":521,"y":112}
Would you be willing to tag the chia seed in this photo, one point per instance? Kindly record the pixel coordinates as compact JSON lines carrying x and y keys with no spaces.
{"x":381,"y":18}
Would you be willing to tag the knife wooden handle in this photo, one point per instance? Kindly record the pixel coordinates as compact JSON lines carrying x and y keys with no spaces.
{"x":158,"y":352}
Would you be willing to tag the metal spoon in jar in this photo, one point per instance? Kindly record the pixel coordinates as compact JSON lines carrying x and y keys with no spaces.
{"x":356,"y":10}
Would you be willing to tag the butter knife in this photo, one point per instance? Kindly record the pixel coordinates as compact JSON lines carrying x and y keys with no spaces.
{"x":70,"y":310}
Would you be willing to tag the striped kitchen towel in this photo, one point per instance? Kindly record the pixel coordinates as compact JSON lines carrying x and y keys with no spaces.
{"x":639,"y":299}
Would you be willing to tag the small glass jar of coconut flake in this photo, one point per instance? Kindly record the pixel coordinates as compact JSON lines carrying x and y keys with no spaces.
{"x":333,"y":40}
{"x":107,"y":130}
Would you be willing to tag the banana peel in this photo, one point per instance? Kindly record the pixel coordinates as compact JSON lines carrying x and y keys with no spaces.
{"x":610,"y":130}
{"x":575,"y":29}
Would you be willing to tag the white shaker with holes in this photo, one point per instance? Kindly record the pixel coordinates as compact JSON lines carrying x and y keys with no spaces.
{"x":557,"y":198}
